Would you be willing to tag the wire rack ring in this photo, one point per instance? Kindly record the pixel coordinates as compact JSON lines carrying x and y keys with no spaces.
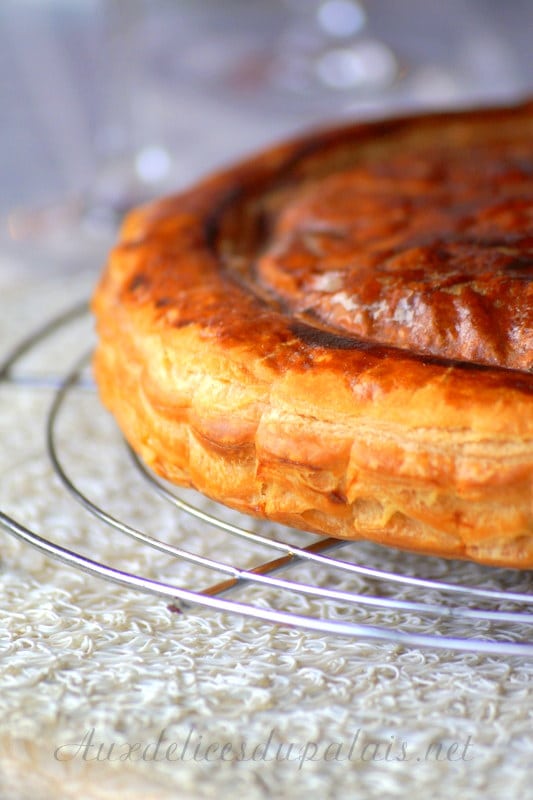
{"x":455,"y":599}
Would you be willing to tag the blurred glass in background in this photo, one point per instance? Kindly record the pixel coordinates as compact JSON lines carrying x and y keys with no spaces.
{"x":113,"y":101}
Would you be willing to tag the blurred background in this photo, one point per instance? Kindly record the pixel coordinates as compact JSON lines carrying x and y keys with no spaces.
{"x":105,"y":103}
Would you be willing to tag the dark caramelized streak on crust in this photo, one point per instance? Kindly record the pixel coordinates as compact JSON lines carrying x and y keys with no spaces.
{"x":315,"y":338}
{"x":312,"y":336}
{"x":139,"y":281}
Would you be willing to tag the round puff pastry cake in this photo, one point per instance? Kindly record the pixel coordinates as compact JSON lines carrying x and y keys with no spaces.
{"x":338,"y":334}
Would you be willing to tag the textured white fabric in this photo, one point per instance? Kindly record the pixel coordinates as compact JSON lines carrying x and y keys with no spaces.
{"x":228,"y":695}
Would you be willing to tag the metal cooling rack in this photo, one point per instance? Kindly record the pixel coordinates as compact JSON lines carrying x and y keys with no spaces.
{"x":465,"y":605}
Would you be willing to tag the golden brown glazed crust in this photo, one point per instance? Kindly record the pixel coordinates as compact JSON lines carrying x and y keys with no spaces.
{"x":337,"y":334}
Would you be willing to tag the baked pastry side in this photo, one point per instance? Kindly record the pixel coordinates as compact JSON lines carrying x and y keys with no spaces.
{"x":337,"y":334}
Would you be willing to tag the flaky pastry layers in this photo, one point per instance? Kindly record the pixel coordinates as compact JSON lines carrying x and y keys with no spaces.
{"x":338,"y":334}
